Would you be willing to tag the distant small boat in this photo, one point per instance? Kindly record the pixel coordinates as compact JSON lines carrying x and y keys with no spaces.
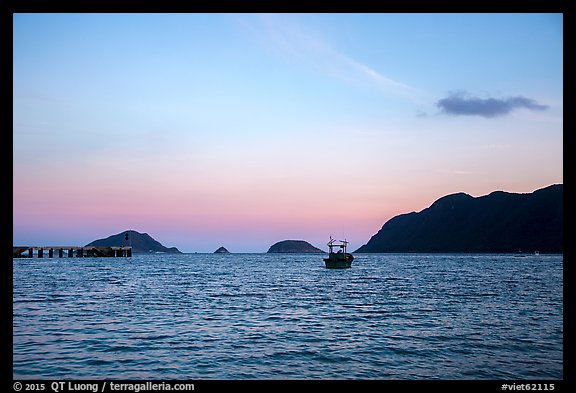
{"x":536,"y":252}
{"x":340,"y":259}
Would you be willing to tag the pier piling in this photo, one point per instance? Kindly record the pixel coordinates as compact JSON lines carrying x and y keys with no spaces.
{"x":71,"y":251}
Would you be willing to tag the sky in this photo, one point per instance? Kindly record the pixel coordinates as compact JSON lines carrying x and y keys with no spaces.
{"x":241,"y":130}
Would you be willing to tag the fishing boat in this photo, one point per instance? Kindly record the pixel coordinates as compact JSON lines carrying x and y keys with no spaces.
{"x":339,"y":259}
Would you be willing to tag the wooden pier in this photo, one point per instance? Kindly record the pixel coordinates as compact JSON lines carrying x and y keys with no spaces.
{"x":70,"y":251}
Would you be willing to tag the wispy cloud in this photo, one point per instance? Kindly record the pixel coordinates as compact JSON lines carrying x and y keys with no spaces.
{"x":457,"y":172}
{"x":462,"y":104}
{"x":499,"y":146}
{"x":377,"y":78}
{"x":295,"y":41}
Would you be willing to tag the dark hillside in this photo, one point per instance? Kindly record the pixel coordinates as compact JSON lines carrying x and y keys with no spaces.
{"x":494,"y":223}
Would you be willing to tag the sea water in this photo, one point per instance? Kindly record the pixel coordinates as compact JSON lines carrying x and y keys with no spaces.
{"x":285,"y":316}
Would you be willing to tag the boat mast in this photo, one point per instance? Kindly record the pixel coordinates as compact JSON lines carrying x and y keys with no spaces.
{"x":344,"y":243}
{"x":330,"y":245}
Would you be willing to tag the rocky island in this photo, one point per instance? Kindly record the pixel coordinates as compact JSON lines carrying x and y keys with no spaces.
{"x":222,"y":250}
{"x":293,"y":247}
{"x":141,"y":243}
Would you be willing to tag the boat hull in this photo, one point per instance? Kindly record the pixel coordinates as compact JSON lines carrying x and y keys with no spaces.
{"x":338,"y":261}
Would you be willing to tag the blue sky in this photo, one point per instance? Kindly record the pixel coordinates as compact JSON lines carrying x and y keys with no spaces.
{"x":245,"y":129}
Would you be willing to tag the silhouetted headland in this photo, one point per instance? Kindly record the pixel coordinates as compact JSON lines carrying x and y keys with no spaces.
{"x":500,"y":222}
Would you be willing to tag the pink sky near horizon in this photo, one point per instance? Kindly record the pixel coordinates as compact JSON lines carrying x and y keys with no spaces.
{"x":236,"y":213}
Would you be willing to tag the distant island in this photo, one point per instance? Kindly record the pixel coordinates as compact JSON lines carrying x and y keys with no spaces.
{"x":499,"y":222}
{"x":222,"y":250}
{"x":141,"y":243}
{"x":293,"y":246}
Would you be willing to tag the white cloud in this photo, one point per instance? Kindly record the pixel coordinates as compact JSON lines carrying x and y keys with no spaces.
{"x":294,"y":41}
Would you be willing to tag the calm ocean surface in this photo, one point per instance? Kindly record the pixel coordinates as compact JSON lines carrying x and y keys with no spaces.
{"x":281,"y":316}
